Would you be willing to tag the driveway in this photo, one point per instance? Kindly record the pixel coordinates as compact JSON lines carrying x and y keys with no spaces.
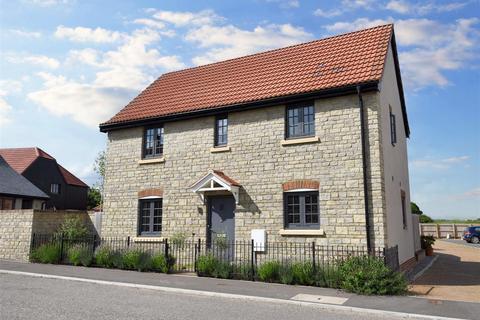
{"x":463,"y":242}
{"x":454,"y":276}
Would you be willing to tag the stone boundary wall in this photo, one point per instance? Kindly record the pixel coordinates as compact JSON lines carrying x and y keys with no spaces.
{"x":18,"y":226}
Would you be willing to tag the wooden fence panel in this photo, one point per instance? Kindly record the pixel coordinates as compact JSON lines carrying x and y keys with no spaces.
{"x":442,"y":230}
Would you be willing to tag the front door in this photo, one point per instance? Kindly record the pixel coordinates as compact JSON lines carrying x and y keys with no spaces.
{"x":221,"y":219}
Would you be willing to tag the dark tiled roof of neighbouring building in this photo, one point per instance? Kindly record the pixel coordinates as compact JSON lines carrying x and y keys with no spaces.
{"x":14,"y":184}
{"x":21,"y":158}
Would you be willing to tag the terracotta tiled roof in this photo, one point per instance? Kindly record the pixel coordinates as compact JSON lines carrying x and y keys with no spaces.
{"x":21,"y":158}
{"x":70,"y":178}
{"x":226,"y":178}
{"x":349,"y":59}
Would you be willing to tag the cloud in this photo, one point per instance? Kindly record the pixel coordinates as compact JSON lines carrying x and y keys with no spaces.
{"x":85,"y":103}
{"x":39,"y":60}
{"x":7,"y":87}
{"x":344,"y":7}
{"x":428,"y":48}
{"x":180,"y":19}
{"x":398,"y":6}
{"x":119,"y":74}
{"x":422,"y":8}
{"x":49,"y":3}
{"x":82,"y":34}
{"x":25,"y":34}
{"x":474,"y":193}
{"x":286,"y":4}
{"x":327,"y":13}
{"x":440,"y":164}
{"x":225,"y":42}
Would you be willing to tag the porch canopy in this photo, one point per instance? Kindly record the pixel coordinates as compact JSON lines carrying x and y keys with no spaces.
{"x":216,"y":181}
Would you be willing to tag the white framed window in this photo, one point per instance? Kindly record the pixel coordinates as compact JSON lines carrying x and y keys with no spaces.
{"x":55,"y":188}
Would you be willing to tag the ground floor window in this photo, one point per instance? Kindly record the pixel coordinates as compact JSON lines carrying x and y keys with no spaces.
{"x":150,"y":216}
{"x":301,"y":210}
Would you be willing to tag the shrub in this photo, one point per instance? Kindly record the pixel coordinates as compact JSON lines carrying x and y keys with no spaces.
{"x":327,"y":276}
{"x":80,"y":255}
{"x":242,"y":271}
{"x":163,"y":264}
{"x":137,"y":260}
{"x":369,"y":275}
{"x":222,"y":270}
{"x":73,"y":228}
{"x":303,"y":273}
{"x":178,"y":239}
{"x":206,"y":265}
{"x":117,"y":259}
{"x":47,"y":253}
{"x":285,"y":274}
{"x":427,"y":241}
{"x":104,"y":257}
{"x":269,"y":271}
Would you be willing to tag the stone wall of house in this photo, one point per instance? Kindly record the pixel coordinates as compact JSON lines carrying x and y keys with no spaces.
{"x":18,"y":226}
{"x":261,"y":164}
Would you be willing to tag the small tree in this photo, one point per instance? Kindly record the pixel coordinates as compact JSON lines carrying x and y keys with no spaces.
{"x":100,"y":167}
{"x":425,"y":219}
{"x":415,"y":208}
{"x":94,"y":197}
{"x":73,"y":228}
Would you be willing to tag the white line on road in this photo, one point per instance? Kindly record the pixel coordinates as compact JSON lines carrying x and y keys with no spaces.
{"x":401,"y":315}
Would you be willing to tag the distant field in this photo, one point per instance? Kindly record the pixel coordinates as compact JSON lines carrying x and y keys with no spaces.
{"x":475,"y":221}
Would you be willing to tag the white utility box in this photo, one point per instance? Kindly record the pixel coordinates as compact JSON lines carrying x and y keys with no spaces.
{"x":259,"y":237}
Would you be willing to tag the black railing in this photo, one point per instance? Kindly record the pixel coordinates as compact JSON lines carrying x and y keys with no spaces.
{"x":243,"y":256}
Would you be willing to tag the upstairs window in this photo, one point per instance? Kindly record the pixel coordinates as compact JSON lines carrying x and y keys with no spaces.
{"x":153,"y":142}
{"x":55,"y":188}
{"x":221,"y":131}
{"x":300,"y":121}
{"x":301,"y":210}
{"x":393,"y":128}
{"x":150,"y":217}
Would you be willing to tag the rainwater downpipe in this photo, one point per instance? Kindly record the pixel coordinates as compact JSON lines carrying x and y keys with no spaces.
{"x":364,"y":160}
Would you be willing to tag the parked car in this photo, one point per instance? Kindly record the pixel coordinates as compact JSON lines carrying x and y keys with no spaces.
{"x":472,"y":234}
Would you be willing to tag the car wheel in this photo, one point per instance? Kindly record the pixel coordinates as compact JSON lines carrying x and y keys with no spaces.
{"x":475,"y":240}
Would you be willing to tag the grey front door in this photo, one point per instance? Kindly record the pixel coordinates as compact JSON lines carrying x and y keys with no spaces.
{"x":221,"y":218}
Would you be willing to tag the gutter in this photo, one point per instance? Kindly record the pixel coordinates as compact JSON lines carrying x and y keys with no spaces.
{"x":367,"y":86}
{"x":364,"y":161}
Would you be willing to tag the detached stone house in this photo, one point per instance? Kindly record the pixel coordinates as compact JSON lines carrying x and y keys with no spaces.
{"x":306,"y":142}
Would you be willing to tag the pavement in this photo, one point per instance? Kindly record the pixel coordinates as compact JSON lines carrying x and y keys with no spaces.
{"x":328,"y":300}
{"x":455,"y":275}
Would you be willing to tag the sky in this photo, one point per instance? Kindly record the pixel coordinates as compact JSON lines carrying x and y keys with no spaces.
{"x":67,"y":65}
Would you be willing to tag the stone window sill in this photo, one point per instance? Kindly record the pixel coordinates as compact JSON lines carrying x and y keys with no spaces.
{"x":151,"y":161}
{"x":147,"y":239}
{"x":301,"y":233}
{"x":300,"y":141}
{"x":220,"y":149}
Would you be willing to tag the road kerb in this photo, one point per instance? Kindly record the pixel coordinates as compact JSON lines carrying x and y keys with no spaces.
{"x":323,"y":306}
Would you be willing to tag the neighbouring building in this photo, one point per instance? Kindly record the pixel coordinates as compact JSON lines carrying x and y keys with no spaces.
{"x":16,"y":192}
{"x":307,"y":142}
{"x":65,"y":191}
